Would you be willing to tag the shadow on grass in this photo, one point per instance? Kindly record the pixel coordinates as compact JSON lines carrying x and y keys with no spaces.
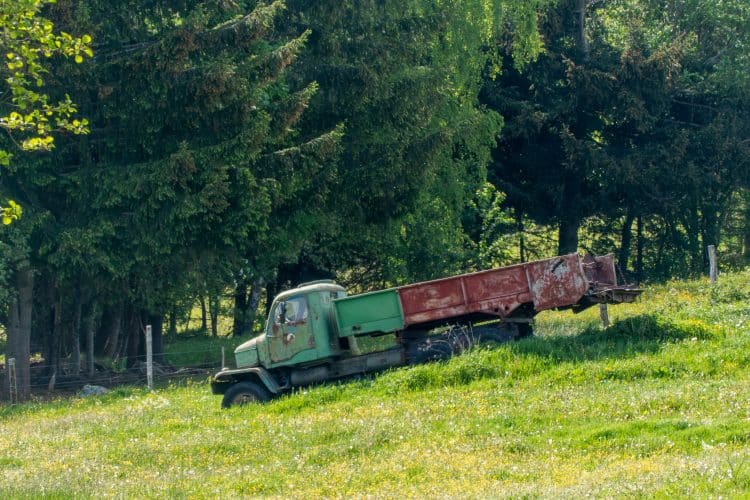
{"x":646,"y":333}
{"x":592,"y":355}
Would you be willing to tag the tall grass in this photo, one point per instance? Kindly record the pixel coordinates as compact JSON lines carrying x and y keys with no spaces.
{"x":655,"y":405}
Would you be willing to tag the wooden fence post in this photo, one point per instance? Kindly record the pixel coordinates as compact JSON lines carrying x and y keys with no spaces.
{"x":604,"y":315}
{"x":149,"y":359}
{"x":12,"y":382}
{"x":713,"y":269}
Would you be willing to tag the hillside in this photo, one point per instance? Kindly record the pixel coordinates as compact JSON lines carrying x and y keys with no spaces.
{"x":658,"y":404}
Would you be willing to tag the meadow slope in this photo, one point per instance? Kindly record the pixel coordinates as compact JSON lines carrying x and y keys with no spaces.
{"x":656,"y":405}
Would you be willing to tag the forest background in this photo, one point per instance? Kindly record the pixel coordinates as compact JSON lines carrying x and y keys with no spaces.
{"x":236,"y":148}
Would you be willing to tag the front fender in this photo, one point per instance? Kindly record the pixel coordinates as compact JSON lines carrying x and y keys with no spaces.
{"x":224,"y":379}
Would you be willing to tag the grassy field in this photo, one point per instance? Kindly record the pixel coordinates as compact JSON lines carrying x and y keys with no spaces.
{"x":656,"y":405}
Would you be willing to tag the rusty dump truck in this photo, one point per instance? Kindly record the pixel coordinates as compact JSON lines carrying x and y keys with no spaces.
{"x":312,"y":330}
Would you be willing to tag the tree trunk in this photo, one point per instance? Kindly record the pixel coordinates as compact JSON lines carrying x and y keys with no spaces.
{"x":246,"y":307}
{"x":54,"y":359}
{"x":173,"y":323}
{"x":14,"y":350}
{"x":625,"y":238}
{"x":521,"y":236}
{"x":19,"y":328}
{"x":639,"y":248}
{"x":271,"y":289}
{"x":746,"y":249}
{"x":569,"y":214}
{"x":580,"y":28}
{"x":572,"y":188}
{"x":90,"y":328}
{"x":568,"y":234}
{"x":46,"y":314}
{"x":255,"y":294}
{"x":75,"y":339}
{"x":204,"y":314}
{"x":111,"y":347}
{"x":133,"y":340}
{"x":693,"y":228}
{"x":157,"y":337}
{"x":240,"y":308}
{"x":213,"y":304}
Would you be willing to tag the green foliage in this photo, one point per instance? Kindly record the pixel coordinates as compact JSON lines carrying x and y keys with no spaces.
{"x":27,"y":114}
{"x":195,"y":168}
{"x":404,"y":78}
{"x":27,"y":40}
{"x":634,"y":115}
{"x":498,"y":229}
{"x":656,"y":405}
{"x":689,"y":169}
{"x":12,"y":212}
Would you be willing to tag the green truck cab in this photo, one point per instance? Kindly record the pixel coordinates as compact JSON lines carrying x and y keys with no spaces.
{"x":309,"y":337}
{"x":297,"y":331}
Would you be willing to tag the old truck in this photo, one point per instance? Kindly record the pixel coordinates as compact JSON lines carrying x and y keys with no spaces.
{"x":311,"y":332}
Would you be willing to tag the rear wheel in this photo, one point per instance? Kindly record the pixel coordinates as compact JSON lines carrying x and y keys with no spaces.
{"x":455,"y":340}
{"x":244,"y":393}
{"x":500,"y":332}
{"x":525,"y":330}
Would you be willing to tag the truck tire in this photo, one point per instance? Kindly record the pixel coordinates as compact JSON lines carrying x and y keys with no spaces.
{"x":498,"y":333}
{"x":505,"y":333}
{"x":244,"y":393}
{"x":427,"y":350}
{"x":524,"y":330}
{"x":439,"y":347}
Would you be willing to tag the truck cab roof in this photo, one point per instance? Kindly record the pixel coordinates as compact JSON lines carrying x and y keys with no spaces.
{"x":315,"y":286}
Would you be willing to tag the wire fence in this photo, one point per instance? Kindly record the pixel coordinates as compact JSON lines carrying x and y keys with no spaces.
{"x":171,"y":358}
{"x":65,"y":376}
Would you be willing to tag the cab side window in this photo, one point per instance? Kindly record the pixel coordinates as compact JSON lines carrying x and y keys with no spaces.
{"x":292,"y":311}
{"x":296,"y":310}
{"x":278,"y":313}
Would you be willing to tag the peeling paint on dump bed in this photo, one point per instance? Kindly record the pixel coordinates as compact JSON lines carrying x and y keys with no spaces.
{"x":547,"y":284}
{"x":556,"y":282}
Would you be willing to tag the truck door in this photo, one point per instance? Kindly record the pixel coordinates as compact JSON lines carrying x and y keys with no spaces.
{"x":290,"y":332}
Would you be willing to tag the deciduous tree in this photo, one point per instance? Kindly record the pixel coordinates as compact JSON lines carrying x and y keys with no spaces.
{"x":28,"y":41}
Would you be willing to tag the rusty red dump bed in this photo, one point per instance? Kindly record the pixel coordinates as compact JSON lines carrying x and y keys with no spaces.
{"x":566,"y":281}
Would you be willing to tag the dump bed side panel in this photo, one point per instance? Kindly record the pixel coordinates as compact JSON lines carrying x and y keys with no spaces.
{"x":556,"y":282}
{"x":497,"y":291}
{"x":368,"y":313}
{"x":600,"y":271}
{"x":547,"y":284}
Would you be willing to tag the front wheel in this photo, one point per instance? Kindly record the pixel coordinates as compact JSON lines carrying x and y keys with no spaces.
{"x":244,"y":393}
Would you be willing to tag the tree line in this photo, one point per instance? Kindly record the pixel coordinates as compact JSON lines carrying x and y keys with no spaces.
{"x":243,"y":147}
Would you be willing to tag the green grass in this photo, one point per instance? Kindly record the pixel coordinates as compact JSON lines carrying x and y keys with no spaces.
{"x":656,"y":405}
